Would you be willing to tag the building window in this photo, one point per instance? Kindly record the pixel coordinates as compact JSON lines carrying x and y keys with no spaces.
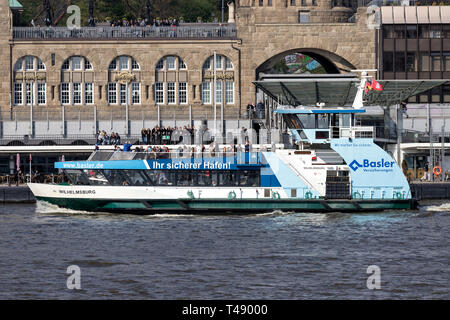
{"x":269,"y":3}
{"x":207,"y":64}
{"x":28,"y":93}
{"x":123,"y":93}
{"x":171,"y":63}
{"x":88,"y":93}
{"x":229,"y":92}
{"x":76,"y":67}
{"x":304,"y":3}
{"x":388,"y":31}
{"x":134,"y":65}
{"x":435,"y":61}
{"x":65,"y":93}
{"x":167,"y":89}
{"x":170,"y":92}
{"x":314,"y":3}
{"x":40,"y":65}
{"x":66,"y":65}
{"x":223,"y":91}
{"x":218,"y":62}
{"x":411,"y":31}
{"x":424,"y":61}
{"x":123,"y":63}
{"x":181,"y":64}
{"x":388,"y":61}
{"x":400,"y":31}
{"x":76,"y":93}
{"x":41,"y":94}
{"x":159,"y":93}
{"x":303,"y":17}
{"x":261,"y":3}
{"x":219,"y":92}
{"x":424,"y":31}
{"x":76,"y":63}
{"x":119,"y":93}
{"x":411,"y":62}
{"x":206,"y":92}
{"x":446,"y":60}
{"x":182,"y":93}
{"x":228,"y":64}
{"x":435,"y":31}
{"x":18,"y":93}
{"x":113,"y":65}
{"x":29,"y":63}
{"x":399,"y":62}
{"x":292,"y":2}
{"x":112,"y":93}
{"x":135,"y":93}
{"x":87,"y":65}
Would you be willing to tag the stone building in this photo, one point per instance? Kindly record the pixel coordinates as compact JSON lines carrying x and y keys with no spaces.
{"x":61,"y":81}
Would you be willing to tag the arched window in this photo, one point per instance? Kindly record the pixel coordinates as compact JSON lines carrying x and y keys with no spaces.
{"x":77,"y":82}
{"x":224,"y":87}
{"x":171,"y":86}
{"x":30,"y":81}
{"x":124,"y":85}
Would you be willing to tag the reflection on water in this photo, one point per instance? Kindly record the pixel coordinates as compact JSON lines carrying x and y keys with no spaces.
{"x":278,"y":255}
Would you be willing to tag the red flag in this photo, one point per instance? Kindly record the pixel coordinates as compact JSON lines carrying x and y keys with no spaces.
{"x":376,"y":86}
{"x":31,"y":158}
{"x":368,"y":87}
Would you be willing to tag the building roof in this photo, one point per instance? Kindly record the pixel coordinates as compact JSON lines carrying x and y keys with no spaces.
{"x":14,"y":4}
{"x":415,"y":14}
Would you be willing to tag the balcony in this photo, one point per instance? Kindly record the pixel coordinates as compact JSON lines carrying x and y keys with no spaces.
{"x":182,"y":32}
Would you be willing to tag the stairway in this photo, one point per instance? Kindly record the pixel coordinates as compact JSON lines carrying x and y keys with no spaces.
{"x":329,"y":156}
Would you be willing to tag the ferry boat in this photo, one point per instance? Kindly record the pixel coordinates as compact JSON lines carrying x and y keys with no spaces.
{"x":335,"y":167}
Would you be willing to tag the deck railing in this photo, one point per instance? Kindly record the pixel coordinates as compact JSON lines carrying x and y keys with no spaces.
{"x":201,"y":31}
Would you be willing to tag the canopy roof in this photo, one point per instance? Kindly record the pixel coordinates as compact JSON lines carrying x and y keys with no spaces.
{"x":335,"y":92}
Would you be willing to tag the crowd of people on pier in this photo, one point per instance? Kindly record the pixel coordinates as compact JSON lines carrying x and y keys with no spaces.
{"x":165,"y":135}
{"x":142,"y":23}
{"x":104,"y":139}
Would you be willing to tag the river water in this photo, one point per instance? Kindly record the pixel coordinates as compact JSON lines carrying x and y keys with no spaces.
{"x":269,"y":256}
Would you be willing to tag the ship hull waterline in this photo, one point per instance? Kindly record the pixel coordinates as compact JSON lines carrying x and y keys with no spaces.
{"x":225,"y":206}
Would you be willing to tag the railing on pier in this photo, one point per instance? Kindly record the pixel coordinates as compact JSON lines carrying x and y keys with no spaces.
{"x":202,"y":31}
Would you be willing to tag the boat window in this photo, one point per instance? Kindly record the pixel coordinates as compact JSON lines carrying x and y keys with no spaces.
{"x":179,"y":178}
{"x":322,"y":121}
{"x":308,"y":121}
{"x":96,"y":177}
{"x":346,"y":119}
{"x":77,"y":177}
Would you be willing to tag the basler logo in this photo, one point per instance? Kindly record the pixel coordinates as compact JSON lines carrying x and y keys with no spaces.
{"x":368,"y":165}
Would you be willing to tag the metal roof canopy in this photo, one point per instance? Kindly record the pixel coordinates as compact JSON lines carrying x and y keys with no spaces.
{"x":341,"y":92}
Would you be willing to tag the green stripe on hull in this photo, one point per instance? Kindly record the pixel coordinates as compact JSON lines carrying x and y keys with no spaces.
{"x":209,"y":206}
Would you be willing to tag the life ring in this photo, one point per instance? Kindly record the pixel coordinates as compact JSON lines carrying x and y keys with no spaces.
{"x":276,"y":196}
{"x":356,"y":195}
{"x":232,"y":195}
{"x":437,"y":171}
{"x":308,"y":195}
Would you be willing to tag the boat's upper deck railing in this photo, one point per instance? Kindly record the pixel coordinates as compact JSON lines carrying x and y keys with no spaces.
{"x":200,"y":31}
{"x":240,"y":157}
